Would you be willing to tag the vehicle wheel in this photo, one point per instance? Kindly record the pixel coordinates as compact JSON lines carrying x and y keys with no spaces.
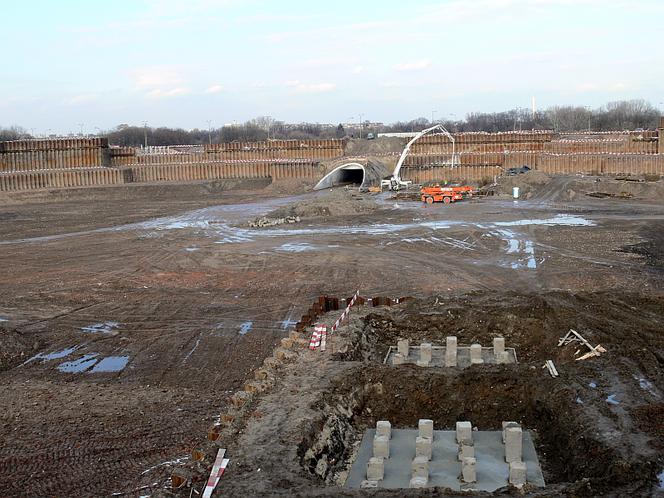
{"x":429,"y":200}
{"x":447,"y":200}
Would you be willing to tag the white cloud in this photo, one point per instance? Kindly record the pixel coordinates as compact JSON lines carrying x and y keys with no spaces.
{"x":214,"y":89}
{"x":157,"y":77}
{"x":300,"y":87}
{"x":389,"y":84}
{"x":158,"y":93}
{"x":413,"y":66}
{"x":83,"y":98}
{"x":358,"y":69}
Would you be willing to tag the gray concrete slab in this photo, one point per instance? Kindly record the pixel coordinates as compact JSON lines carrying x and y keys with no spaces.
{"x":463,"y":356}
{"x":444,"y":468}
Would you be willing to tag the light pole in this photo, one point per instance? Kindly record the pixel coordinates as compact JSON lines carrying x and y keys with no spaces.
{"x":589,"y":115}
{"x":209,"y":122}
{"x":145,"y":134}
{"x":361,"y":116}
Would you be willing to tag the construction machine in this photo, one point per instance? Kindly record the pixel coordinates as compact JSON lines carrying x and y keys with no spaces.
{"x":395,"y":182}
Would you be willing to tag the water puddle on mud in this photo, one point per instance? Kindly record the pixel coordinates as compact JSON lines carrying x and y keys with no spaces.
{"x":56,"y":355}
{"x":101,"y":328}
{"x":296,"y":247}
{"x":245,"y":327}
{"x":84,"y":363}
{"x":110,"y":364}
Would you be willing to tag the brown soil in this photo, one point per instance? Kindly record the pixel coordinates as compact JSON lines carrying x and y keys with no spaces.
{"x":201,"y":301}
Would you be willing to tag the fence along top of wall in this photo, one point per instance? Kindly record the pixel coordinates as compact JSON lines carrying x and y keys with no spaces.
{"x":276,"y":145}
{"x":53,"y":144}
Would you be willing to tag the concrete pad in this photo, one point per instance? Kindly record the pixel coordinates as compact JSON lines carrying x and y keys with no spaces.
{"x":498,"y":345}
{"x":508,"y":424}
{"x":441,"y":358}
{"x":466,"y":449}
{"x":425,"y":354}
{"x":398,"y":359}
{"x":451,"y":351}
{"x":444,"y":467}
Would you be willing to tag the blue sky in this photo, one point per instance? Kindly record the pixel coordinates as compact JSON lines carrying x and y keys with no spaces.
{"x":182,"y":63}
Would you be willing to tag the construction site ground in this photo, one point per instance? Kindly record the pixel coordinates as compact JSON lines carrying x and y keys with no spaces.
{"x":172,"y":280}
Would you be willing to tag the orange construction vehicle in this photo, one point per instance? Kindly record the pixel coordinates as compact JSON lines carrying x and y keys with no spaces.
{"x":436,"y":193}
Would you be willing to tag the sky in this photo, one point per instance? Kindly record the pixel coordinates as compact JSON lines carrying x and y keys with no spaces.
{"x":87,"y":65}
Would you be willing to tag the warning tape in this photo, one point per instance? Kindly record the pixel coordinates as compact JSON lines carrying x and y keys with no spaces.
{"x":218,"y":470}
{"x":345,"y":313}
{"x":316,"y":336}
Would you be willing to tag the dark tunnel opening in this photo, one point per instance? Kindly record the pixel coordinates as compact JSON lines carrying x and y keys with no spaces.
{"x":350,"y":176}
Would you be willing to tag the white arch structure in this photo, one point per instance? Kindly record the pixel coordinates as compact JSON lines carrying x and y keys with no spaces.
{"x":338,"y":175}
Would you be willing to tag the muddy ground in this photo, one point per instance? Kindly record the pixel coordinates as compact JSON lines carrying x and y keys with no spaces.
{"x":170,"y":280}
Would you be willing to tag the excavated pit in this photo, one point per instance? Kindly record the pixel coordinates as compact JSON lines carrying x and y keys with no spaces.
{"x":577,"y":432}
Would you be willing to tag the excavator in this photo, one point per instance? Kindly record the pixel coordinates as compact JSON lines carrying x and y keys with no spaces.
{"x":395,"y":182}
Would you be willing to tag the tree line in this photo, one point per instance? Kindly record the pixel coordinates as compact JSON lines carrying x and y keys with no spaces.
{"x":621,"y":115}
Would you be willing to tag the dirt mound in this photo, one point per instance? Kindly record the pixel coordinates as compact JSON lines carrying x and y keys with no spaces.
{"x":382,"y":145}
{"x":337,"y":202}
{"x":14,"y":348}
{"x":529,"y":183}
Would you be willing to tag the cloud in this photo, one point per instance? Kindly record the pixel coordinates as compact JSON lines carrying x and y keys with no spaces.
{"x":311,"y":87}
{"x":83,"y":98}
{"x":358,"y":69}
{"x":214,"y":89}
{"x":158,"y":93}
{"x":157,"y":77}
{"x":413,"y":66}
{"x":389,"y":84}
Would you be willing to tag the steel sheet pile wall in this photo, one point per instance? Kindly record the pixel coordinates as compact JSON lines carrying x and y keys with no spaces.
{"x":48,"y":154}
{"x":277,"y":149}
{"x":592,"y":153}
{"x":60,"y":179}
{"x":458,"y":173}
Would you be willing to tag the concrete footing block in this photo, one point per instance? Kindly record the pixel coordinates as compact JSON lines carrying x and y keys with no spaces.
{"x":468,"y":470}
{"x":498,"y":345}
{"x":403,"y":347}
{"x":518,"y":473}
{"x":464,"y":431}
{"x":398,"y":359}
{"x":476,"y":354}
{"x":419,"y":482}
{"x":466,"y":449}
{"x":368,"y":484}
{"x":420,"y":467}
{"x":425,"y":354}
{"x":384,"y":428}
{"x":423,"y":446}
{"x":513,"y":444}
{"x":508,"y":424}
{"x":381,"y":447}
{"x":375,"y":469}
{"x":451,"y":351}
{"x":425,"y":428}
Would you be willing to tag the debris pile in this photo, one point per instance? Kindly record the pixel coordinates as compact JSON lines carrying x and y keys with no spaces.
{"x":271,"y":222}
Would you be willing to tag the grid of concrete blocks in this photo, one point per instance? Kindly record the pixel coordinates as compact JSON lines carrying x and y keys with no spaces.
{"x":512,"y":438}
{"x":450,"y":355}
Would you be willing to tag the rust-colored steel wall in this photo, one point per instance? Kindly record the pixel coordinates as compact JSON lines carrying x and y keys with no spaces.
{"x":446,"y":173}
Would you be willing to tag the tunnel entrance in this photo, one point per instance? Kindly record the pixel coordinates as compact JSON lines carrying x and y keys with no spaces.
{"x":347,"y":174}
{"x":351,"y":176}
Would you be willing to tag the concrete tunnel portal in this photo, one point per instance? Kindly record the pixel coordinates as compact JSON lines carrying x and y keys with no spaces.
{"x":353,"y":173}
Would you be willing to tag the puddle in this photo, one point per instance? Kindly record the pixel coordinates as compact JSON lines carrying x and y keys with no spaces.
{"x":660,"y":476}
{"x":521,"y":248}
{"x":3,"y":319}
{"x":579,"y":401}
{"x":84,"y":363}
{"x":111,"y":364}
{"x":593,"y":385}
{"x":56,"y":355}
{"x":191,"y":249}
{"x":611,"y":399}
{"x":646,"y":385}
{"x":296,"y":247}
{"x":558,"y":220}
{"x":101,"y":328}
{"x":245,"y":327}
